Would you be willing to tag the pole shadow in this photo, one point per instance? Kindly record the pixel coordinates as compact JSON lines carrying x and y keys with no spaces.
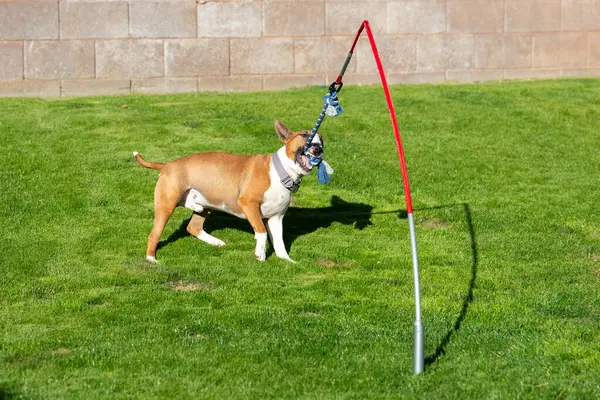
{"x":468,"y":299}
{"x":298,"y":221}
{"x":8,"y":392}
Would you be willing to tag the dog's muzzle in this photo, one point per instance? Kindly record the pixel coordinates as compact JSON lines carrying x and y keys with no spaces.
{"x":315,"y":150}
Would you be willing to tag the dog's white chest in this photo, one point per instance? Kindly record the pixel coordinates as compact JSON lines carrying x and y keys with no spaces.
{"x":277,"y":197}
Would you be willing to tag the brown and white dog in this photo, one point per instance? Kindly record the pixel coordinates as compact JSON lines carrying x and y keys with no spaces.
{"x":252,"y":187}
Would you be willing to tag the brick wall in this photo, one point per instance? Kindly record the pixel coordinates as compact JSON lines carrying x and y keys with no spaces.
{"x":69,"y":48}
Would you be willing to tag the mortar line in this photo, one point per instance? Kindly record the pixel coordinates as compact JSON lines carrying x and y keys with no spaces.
{"x":589,"y":49}
{"x":95,"y":68}
{"x":561,"y":16}
{"x":23,"y":57}
{"x":293,"y":55}
{"x":164,"y":72}
{"x":196,"y":17}
{"x":262,"y":19}
{"x":58,"y":15}
{"x":532,"y":51}
{"x":325,"y":17}
{"x":129,"y":20}
{"x":446,"y":16}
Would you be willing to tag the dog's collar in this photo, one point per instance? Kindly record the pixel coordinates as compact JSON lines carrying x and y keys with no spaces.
{"x":284,"y":177}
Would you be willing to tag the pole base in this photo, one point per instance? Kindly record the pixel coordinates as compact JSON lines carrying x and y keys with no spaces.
{"x":418,"y":355}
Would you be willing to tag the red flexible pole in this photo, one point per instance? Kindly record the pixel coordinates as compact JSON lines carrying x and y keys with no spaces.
{"x":418,"y":356}
{"x":388,"y":98}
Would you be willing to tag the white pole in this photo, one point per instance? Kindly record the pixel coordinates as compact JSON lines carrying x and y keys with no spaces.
{"x":418,"y":353}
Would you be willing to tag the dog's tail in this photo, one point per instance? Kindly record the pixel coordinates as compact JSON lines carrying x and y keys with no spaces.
{"x":154,"y":165}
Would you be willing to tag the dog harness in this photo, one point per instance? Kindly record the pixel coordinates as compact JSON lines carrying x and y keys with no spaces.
{"x":284,"y":177}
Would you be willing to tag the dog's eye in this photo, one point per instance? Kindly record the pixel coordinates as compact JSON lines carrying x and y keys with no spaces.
{"x":305,"y":135}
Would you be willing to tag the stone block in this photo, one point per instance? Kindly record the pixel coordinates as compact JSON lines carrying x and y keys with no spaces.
{"x":472,"y":76}
{"x":359,"y":78}
{"x":95,"y":87}
{"x":373,"y":78}
{"x":229,"y":19}
{"x":279,"y":82}
{"x":164,"y":85}
{"x":518,"y":51}
{"x":30,"y":88}
{"x":238,"y":83}
{"x":582,"y":73}
{"x":398,"y":54}
{"x":499,"y":51}
{"x":262,"y":56}
{"x":196,"y":57}
{"x":343,"y":17}
{"x":416,"y":16}
{"x":475,"y":16}
{"x":93,"y":20}
{"x":594,"y":55}
{"x":435,"y":53}
{"x":568,"y":50}
{"x":581,"y":14}
{"x":322,"y":55}
{"x":511,"y":74}
{"x":294,"y":17}
{"x":175,"y":19}
{"x":489,"y":51}
{"x":129,"y":58}
{"x":24,"y":20}
{"x":11,"y":61}
{"x":532,"y":15}
{"x":59,"y":60}
{"x":416,"y":78}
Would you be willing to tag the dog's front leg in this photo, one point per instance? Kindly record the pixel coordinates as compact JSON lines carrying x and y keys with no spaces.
{"x":276,"y":230}
{"x":252,"y":211}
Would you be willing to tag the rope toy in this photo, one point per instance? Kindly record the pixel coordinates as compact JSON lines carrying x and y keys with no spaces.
{"x":332,"y":108}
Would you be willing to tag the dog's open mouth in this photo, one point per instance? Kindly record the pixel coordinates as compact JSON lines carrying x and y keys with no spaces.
{"x":302,"y":160}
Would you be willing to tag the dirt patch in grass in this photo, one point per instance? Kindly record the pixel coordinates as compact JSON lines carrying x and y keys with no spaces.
{"x":434,"y":223}
{"x":311,"y":314}
{"x":62,"y":351}
{"x":324,"y":262}
{"x":185,"y":286}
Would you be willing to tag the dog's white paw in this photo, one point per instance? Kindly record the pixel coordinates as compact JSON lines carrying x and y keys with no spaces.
{"x":151,"y":259}
{"x":210,"y":239}
{"x":261,"y":246}
{"x":261,"y":255}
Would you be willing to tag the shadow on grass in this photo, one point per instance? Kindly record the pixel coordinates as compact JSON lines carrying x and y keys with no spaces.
{"x":301,"y":221}
{"x":297,"y":222}
{"x":441,"y":348}
{"x":7,"y":392}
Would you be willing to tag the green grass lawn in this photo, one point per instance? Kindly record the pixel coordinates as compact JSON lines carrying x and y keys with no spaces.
{"x":505,"y":186}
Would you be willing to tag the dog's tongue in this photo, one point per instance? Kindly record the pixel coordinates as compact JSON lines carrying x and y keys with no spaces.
{"x":305,"y":163}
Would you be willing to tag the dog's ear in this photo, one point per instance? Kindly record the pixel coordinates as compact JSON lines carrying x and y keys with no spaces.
{"x":282,"y":131}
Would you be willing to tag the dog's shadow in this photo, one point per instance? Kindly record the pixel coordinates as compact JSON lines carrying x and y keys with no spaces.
{"x":298,"y":221}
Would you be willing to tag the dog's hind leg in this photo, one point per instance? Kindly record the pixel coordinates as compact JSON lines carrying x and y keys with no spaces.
{"x":165,"y":201}
{"x":196,"y":228}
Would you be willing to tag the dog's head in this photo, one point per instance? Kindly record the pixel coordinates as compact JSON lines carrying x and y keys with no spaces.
{"x":294,"y":147}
